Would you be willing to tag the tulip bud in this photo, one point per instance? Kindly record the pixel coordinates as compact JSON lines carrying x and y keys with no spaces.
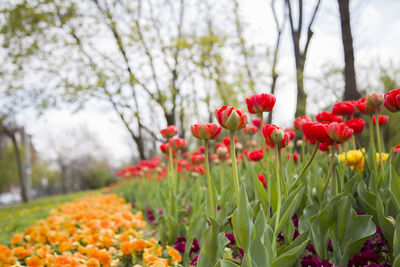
{"x":231,"y":118}
{"x":314,"y":192}
{"x":299,"y":142}
{"x":374,"y":100}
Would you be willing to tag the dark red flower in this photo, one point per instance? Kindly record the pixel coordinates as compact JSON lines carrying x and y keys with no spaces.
{"x":205,"y":131}
{"x":231,"y":118}
{"x":291,"y":133}
{"x":275,"y":136}
{"x":298,"y":122}
{"x":396,"y":149}
{"x":356,"y":124}
{"x":392,"y":100}
{"x":169,"y":132}
{"x":382,"y":119}
{"x":259,"y":103}
{"x":344,"y":108}
{"x":339,"y":132}
{"x":328,"y":116}
{"x":256,"y":155}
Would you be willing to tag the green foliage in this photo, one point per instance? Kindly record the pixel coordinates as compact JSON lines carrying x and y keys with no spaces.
{"x":8,"y":168}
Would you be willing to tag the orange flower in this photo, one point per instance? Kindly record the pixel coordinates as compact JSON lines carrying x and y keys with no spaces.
{"x":21,"y":252}
{"x":104,"y":258}
{"x":34,"y":261}
{"x":92,"y":263}
{"x":176,"y":257}
{"x":17,"y":239}
{"x":126,"y":247}
{"x":139,"y":245}
{"x":6,"y":256}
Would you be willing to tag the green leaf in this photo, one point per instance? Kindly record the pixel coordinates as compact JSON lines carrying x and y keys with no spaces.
{"x":226,"y":263}
{"x":242,"y":221}
{"x":261,"y":192}
{"x":395,"y":187}
{"x":290,"y":258}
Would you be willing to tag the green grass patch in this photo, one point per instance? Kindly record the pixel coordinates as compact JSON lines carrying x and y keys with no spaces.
{"x":16,"y":218}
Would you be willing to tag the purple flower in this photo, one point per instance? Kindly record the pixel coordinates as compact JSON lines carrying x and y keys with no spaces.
{"x":150,"y":215}
{"x":180,"y":244}
{"x":231,"y":239}
{"x":310,"y":261}
{"x":195,"y":246}
{"x":194,"y":261}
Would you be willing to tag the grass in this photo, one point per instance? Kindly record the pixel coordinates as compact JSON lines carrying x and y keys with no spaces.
{"x":16,"y":218}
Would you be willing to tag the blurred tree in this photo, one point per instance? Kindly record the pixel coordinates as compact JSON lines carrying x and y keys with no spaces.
{"x":279,"y":29}
{"x":300,"y":53}
{"x":140,"y":56}
{"x":10,"y":129}
{"x":350,"y":86}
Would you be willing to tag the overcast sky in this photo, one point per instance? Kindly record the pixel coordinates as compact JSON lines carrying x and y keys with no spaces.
{"x":376,"y":33}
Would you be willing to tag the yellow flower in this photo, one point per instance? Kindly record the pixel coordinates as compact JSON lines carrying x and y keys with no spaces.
{"x":384,"y":158}
{"x":354,"y":159}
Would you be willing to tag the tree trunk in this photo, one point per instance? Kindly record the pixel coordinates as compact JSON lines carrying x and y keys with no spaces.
{"x":301,"y":106}
{"x":350,"y":87}
{"x":63,"y":176}
{"x":21,"y":177}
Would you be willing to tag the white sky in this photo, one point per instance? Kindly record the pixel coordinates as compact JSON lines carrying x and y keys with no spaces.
{"x":376,"y":34}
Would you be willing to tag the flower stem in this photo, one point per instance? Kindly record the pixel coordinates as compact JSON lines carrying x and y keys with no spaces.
{"x":278,"y":188}
{"x":234,"y":166}
{"x":210,"y":191}
{"x":171,"y":167}
{"x":264,"y":145}
{"x":303,"y":171}
{"x":328,"y":177}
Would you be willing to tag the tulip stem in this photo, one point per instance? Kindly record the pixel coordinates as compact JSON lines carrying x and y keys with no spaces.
{"x":234,"y":166}
{"x":264,"y":145}
{"x":221,"y":176}
{"x":328,"y":178}
{"x":303,"y":171}
{"x":378,"y":139}
{"x":278,"y":188}
{"x":210,"y":191}
{"x":171,"y":167}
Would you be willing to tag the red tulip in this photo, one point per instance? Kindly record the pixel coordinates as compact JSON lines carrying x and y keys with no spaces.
{"x":374,"y":100}
{"x":231,"y":118}
{"x":275,"y":136}
{"x":356,"y":124}
{"x":261,"y":178}
{"x":328,"y":116}
{"x":222,"y":152}
{"x":382,"y":119}
{"x":298,"y":122}
{"x":315,"y":131}
{"x":366,"y":108}
{"x":177,"y":143}
{"x":396,"y":149}
{"x":256,"y":122}
{"x":250,"y":130}
{"x":205,"y":131}
{"x":291,"y":133}
{"x":392,"y":100}
{"x":165,"y":148}
{"x":169,"y":132}
{"x":295,"y":157}
{"x":344,"y":108}
{"x":323,"y":147}
{"x":256,"y":155}
{"x":197,"y":158}
{"x":227,"y":140}
{"x":339,"y":132}
{"x":260,"y":103}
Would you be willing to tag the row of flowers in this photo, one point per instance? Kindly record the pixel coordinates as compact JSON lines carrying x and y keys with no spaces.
{"x":97,"y":230}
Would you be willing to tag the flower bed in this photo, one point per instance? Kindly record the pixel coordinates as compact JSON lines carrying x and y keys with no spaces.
{"x":91,"y":231}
